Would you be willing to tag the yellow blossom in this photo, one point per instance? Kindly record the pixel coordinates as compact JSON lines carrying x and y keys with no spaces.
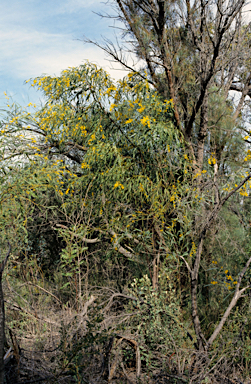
{"x":84,"y":165}
{"x":112,"y":107}
{"x":145,"y":121}
{"x":141,"y":109}
{"x":118,"y":184}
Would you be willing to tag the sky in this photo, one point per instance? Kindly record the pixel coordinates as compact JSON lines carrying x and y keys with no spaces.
{"x":45,"y":37}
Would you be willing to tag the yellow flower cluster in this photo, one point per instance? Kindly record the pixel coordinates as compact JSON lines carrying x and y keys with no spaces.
{"x":110,"y":90}
{"x":112,"y":106}
{"x":169,"y":103}
{"x":248,"y":157}
{"x":118,"y":185}
{"x":199,"y":173}
{"x":84,"y":165}
{"x":145,"y":121}
{"x":92,"y":138}
{"x":193,"y":250}
{"x":211,"y":160}
{"x":243,"y":191}
{"x":141,"y":107}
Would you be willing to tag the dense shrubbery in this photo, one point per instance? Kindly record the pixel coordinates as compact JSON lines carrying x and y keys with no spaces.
{"x":127,"y":208}
{"x":103,"y":211}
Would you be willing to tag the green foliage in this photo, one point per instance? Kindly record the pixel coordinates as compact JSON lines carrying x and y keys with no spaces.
{"x":158,"y":324}
{"x":111,"y":145}
{"x":101,"y":193}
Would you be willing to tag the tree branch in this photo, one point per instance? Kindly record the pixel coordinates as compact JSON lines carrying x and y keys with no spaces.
{"x":88,"y":241}
{"x":233,"y":302}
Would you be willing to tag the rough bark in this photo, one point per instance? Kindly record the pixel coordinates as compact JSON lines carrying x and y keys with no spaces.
{"x":202,"y":134}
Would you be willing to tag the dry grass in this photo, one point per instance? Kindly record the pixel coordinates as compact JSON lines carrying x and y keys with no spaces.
{"x":64,"y":341}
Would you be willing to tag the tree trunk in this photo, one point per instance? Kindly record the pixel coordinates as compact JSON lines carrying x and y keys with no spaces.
{"x":194,"y":288}
{"x":202,"y":134}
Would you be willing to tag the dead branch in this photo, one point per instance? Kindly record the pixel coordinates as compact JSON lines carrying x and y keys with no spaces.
{"x":42,"y":289}
{"x":233,"y":302}
{"x":88,"y":241}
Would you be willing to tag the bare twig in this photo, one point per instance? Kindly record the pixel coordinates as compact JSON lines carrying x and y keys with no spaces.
{"x":88,"y":241}
{"x":237,"y":294}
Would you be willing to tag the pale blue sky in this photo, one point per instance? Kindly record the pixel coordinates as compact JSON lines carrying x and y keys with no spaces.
{"x":45,"y":37}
